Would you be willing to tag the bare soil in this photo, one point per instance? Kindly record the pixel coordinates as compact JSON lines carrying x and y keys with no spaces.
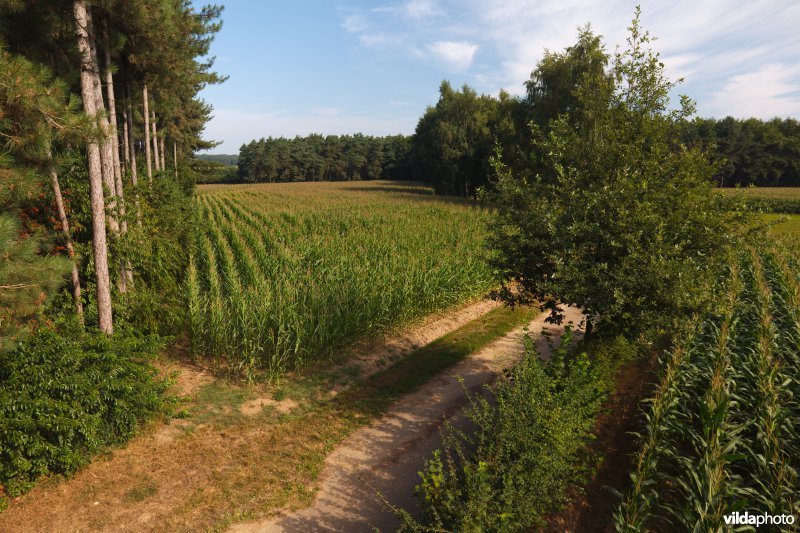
{"x":379,"y":464}
{"x":373,"y":355}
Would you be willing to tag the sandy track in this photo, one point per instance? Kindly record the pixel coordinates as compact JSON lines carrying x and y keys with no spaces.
{"x":384,"y":457}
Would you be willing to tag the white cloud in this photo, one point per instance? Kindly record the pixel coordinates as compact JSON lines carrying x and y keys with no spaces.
{"x":413,"y":9}
{"x":355,"y":23}
{"x":418,"y":9}
{"x":717,"y":46}
{"x":455,"y":55}
{"x":359,"y":25}
{"x":765,"y":93}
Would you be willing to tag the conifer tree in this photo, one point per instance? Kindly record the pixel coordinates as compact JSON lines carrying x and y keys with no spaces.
{"x":31,"y":106}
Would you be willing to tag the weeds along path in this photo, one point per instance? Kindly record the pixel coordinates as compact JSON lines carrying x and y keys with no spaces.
{"x":382,"y":460}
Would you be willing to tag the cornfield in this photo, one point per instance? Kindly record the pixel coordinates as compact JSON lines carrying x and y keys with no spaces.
{"x":721,"y":433}
{"x":281,"y":274}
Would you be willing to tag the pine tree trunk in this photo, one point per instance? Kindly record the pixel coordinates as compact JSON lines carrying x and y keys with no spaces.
{"x":126,"y":137}
{"x":175,"y":158}
{"x":114,"y":131}
{"x":88,"y":95}
{"x":163,"y":157}
{"x":147,"y":155}
{"x":132,"y":152}
{"x":106,"y":148}
{"x":62,"y":217}
{"x":107,"y":160}
{"x":155,"y":142}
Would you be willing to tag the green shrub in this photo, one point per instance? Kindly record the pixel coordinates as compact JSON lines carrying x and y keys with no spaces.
{"x":529,"y":446}
{"x":61,"y":399}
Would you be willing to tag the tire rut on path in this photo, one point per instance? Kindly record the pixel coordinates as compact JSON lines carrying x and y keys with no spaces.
{"x":383,"y":459}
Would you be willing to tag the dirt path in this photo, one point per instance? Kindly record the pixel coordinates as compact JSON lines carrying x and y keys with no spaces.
{"x":372,"y":355}
{"x":169,"y":478}
{"x":384,"y":457}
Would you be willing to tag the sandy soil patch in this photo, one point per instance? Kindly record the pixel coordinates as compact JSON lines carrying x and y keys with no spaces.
{"x":257,"y":405}
{"x":374,"y":355}
{"x":168,"y":479}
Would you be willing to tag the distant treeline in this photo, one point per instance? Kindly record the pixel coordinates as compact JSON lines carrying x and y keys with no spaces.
{"x":225,"y":159}
{"x":329,"y":158}
{"x":755,"y":152}
{"x":455,"y":140}
{"x":212,"y":171}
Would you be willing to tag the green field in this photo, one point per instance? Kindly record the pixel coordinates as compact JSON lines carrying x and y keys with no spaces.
{"x":769,"y":199}
{"x":783,"y":224}
{"x":721,"y":430}
{"x":772,"y":193}
{"x":285,"y":273}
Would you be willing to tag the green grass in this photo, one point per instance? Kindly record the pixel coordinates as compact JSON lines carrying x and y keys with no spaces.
{"x":428,"y":361}
{"x":785,"y":224}
{"x":284,"y":457}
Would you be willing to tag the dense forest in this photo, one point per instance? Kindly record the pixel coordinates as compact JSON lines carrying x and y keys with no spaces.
{"x":752,"y":151}
{"x":455,"y":139}
{"x":224,"y":159}
{"x":330,"y":158}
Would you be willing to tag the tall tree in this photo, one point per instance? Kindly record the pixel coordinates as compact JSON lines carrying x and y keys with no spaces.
{"x":89,"y":89}
{"x":34,"y":110}
{"x":626,"y":226}
{"x":147,"y":154}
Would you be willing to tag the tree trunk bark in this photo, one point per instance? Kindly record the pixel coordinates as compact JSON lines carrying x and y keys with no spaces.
{"x":107,"y":159}
{"x":88,"y":95}
{"x":132,"y":151}
{"x":147,"y":155}
{"x":175,"y":158}
{"x":106,"y":149}
{"x":163,"y":156}
{"x":155,"y":141}
{"x":126,"y":136}
{"x":62,"y":218}
{"x":114,"y":132}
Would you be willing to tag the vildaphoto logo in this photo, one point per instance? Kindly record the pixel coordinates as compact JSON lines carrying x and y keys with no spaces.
{"x":747,"y":519}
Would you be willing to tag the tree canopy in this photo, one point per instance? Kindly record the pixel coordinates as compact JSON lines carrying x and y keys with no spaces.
{"x":625,"y":225}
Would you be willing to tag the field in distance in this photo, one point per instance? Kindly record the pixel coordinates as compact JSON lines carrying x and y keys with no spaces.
{"x":772,"y":193}
{"x":284,"y":273}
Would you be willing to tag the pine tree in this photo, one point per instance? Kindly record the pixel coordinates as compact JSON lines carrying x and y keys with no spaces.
{"x":30,"y":108}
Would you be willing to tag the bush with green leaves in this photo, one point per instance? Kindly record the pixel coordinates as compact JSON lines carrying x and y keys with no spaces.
{"x":63,"y":398}
{"x":529,"y":446}
{"x":625,"y":224}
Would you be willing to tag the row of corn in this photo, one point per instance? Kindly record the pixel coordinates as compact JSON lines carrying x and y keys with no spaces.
{"x":721,"y":431}
{"x":280,"y":275}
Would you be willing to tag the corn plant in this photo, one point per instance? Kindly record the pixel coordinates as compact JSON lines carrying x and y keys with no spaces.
{"x":287,"y":274}
{"x":720,"y":433}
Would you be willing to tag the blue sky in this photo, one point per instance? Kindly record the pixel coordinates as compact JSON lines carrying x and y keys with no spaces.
{"x":335,"y":67}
